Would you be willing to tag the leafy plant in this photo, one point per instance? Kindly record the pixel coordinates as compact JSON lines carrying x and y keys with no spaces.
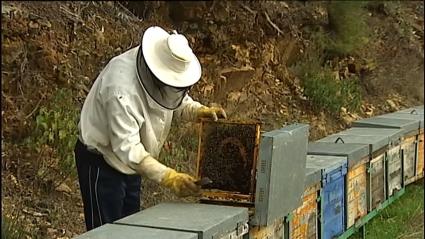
{"x":11,"y":230}
{"x":56,"y":126}
{"x":322,"y":87}
{"x":348,"y":26}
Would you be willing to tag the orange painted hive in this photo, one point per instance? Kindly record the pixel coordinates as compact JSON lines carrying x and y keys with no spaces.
{"x":303,"y":223}
{"x":420,"y":159}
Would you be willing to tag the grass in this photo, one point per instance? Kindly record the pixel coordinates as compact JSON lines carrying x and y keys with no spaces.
{"x":404,"y":219}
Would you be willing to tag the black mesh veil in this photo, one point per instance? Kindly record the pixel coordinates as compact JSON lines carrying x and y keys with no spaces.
{"x":165,"y":95}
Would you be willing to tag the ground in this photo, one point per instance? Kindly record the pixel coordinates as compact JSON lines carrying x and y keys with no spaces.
{"x":247,"y":51}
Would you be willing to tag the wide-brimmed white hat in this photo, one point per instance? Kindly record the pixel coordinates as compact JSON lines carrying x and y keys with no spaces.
{"x":170,"y":57}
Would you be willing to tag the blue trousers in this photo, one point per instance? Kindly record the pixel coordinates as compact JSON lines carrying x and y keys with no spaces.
{"x":108,"y":195}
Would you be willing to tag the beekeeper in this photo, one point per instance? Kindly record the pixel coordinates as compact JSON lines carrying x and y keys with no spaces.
{"x":125,"y":120}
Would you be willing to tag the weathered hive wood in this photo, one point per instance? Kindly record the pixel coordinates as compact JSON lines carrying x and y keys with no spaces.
{"x":304,"y":221}
{"x":275,"y":231}
{"x":356,"y":193}
{"x":420,"y":159}
{"x":394,"y":173}
{"x":377,"y":181}
{"x":409,"y":149}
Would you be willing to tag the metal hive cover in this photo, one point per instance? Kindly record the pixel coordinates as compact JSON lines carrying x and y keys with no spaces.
{"x":416,"y":109}
{"x":405,"y":115}
{"x":326,"y":163}
{"x":382,"y":122}
{"x":227,"y":155}
{"x":280,"y":173}
{"x":375,"y":141}
{"x":312,"y":176}
{"x":131,"y":232}
{"x":353,"y":152}
{"x":394,"y":135}
{"x":204,"y":219}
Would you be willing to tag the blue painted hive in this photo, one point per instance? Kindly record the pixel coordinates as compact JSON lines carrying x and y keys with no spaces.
{"x":332,"y":194}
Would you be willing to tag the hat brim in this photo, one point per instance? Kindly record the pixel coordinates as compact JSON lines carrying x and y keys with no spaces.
{"x":151,"y":40}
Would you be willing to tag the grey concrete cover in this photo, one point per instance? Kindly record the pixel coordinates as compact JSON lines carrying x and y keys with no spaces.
{"x":353,"y":152}
{"x":208,"y":221}
{"x":375,"y":142}
{"x":381,"y":122}
{"x":114,"y":231}
{"x":280,"y":173}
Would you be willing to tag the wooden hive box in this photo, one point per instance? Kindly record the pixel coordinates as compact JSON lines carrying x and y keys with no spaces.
{"x":303,"y":222}
{"x":357,"y":157}
{"x":332,"y":193}
{"x":376,"y":172}
{"x":416,"y":113}
{"x":393,"y":159}
{"x":408,"y":142}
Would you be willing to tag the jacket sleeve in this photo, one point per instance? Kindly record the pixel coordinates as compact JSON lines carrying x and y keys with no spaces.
{"x":124,"y":128}
{"x":188,"y":109}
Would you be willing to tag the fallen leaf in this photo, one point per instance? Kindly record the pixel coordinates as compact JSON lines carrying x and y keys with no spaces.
{"x":63,"y":188}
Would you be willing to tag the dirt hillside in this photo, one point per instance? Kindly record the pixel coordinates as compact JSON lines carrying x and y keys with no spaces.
{"x":248,"y":51}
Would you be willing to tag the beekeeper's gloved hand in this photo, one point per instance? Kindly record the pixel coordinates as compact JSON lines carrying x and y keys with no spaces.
{"x":181,"y":184}
{"x":213,"y":113}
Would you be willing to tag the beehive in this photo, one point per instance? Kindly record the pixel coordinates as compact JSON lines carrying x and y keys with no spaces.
{"x":420,"y":161}
{"x":131,"y":232}
{"x":275,"y":230}
{"x":227,"y":154}
{"x":378,"y":145}
{"x":394,"y":175}
{"x":417,"y":114}
{"x":408,"y":145}
{"x":303,"y":221}
{"x":332,"y":197}
{"x":206,"y":221}
{"x":357,"y":156}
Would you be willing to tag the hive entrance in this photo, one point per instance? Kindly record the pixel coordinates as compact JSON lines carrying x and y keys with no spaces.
{"x":227,"y":155}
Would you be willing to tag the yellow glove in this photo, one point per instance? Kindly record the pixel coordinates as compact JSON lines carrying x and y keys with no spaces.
{"x":211,"y":112}
{"x":181,"y":184}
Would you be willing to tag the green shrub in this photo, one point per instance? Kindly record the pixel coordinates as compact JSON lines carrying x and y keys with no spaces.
{"x":347,"y":22}
{"x":56,"y":126}
{"x":11,"y":230}
{"x":326,"y":92}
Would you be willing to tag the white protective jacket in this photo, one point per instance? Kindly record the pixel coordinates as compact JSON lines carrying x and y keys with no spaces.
{"x":121,"y":121}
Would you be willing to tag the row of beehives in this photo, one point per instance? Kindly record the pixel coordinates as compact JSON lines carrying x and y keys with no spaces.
{"x":347,"y":175}
{"x":353,"y":172}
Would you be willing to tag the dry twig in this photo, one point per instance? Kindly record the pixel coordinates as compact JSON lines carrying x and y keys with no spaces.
{"x":273,"y":24}
{"x":248,"y":9}
{"x":33,"y":111}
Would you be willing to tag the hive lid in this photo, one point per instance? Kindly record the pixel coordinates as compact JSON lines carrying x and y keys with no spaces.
{"x":312,"y":177}
{"x":280,"y":173}
{"x":131,"y":232}
{"x":418,"y":109}
{"x":375,"y":142}
{"x":407,"y":125}
{"x":354,"y":152}
{"x":393,"y":135}
{"x":326,"y":163}
{"x":204,"y":219}
{"x":406,"y":115}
